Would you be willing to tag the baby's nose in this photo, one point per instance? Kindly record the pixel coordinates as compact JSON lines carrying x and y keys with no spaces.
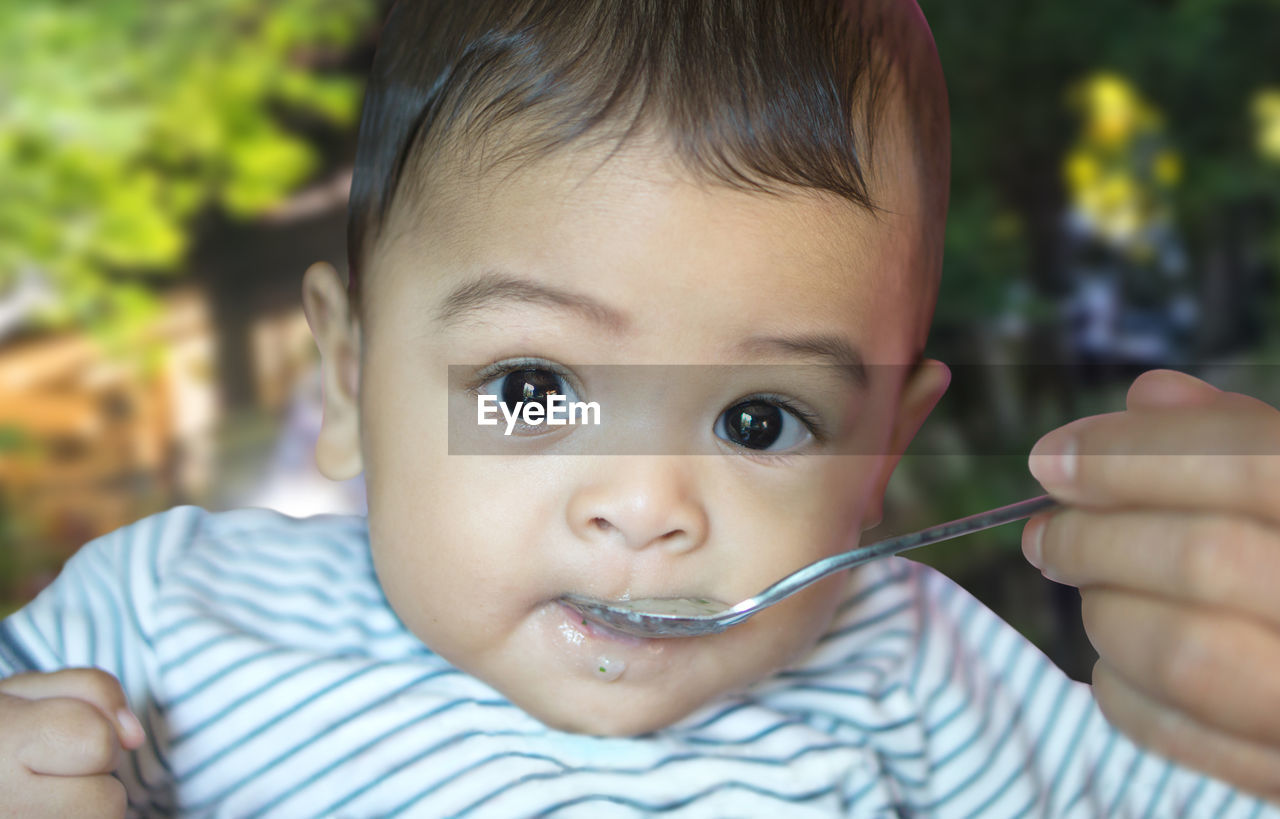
{"x":640,"y":503}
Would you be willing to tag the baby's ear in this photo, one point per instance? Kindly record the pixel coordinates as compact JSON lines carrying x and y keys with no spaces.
{"x":337,"y":334}
{"x":924,"y":387}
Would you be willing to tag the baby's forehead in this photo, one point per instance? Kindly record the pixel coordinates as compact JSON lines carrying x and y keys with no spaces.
{"x":642,"y":233}
{"x":599,"y":173}
{"x":592,"y":182}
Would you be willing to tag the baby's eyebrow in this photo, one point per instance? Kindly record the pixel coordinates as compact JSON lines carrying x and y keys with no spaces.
{"x":834,"y":350}
{"x":494,"y":288}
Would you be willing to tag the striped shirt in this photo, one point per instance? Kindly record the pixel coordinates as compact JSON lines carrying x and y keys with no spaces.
{"x":274,"y":680}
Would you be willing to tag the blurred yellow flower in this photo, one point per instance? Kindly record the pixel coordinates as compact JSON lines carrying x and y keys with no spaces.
{"x":1112,"y":108}
{"x":1114,"y":206}
{"x":1082,"y":170}
{"x":1167,"y":168}
{"x":1110,"y":198}
{"x":1117,"y":190}
{"x":1120,"y":169}
{"x":1266,"y":113}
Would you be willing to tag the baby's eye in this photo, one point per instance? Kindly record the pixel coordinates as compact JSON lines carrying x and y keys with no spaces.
{"x":761,"y":424}
{"x":528,"y":385}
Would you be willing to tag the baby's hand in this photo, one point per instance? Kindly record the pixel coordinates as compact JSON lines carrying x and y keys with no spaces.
{"x":62,"y":737}
{"x":1176,"y":552}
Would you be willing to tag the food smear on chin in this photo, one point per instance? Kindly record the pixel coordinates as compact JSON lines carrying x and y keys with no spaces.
{"x":608,"y":669}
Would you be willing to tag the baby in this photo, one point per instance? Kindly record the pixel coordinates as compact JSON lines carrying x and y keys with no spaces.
{"x":545,"y":195}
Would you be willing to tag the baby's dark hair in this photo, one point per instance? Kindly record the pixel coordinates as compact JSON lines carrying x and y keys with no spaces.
{"x":761,"y":95}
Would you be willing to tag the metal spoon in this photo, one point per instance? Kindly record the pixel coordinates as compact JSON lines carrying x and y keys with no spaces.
{"x":692,"y":617}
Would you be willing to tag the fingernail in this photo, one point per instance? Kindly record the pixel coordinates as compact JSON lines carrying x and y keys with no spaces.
{"x":1054,"y":459}
{"x":131,"y":726}
{"x":1033,"y":541}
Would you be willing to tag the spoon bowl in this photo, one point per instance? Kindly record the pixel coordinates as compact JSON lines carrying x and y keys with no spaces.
{"x":695,"y":616}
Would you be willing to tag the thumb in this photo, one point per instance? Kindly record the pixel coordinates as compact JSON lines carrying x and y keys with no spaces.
{"x":1169,"y":388}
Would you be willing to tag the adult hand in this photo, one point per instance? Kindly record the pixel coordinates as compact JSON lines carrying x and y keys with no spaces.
{"x":1171,"y":531}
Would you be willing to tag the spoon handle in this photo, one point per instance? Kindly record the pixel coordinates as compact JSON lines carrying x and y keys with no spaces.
{"x":814,"y":572}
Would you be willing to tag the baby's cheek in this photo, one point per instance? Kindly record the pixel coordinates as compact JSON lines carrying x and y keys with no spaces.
{"x":846,"y":491}
{"x":814,"y":512}
{"x":805,"y":617}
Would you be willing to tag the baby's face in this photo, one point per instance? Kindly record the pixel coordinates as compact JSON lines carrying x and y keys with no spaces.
{"x":632,"y":264}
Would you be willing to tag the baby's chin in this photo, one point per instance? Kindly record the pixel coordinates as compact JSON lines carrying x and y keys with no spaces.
{"x":620,"y":707}
{"x":609,"y":713}
{"x":577,"y":677}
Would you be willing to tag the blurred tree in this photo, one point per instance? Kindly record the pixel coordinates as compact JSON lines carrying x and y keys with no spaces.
{"x":1009,"y":64}
{"x":120,"y":120}
{"x":1207,"y":66}
{"x":1209,"y":169}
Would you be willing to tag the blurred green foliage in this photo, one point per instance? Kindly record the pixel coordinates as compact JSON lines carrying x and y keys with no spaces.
{"x":1208,"y":66}
{"x":121,"y":119}
{"x":1130,"y":113}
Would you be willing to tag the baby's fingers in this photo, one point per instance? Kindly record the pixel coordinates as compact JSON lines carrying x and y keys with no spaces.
{"x":60,"y":736}
{"x":92,"y":685}
{"x":80,"y":796}
{"x":1200,"y":559}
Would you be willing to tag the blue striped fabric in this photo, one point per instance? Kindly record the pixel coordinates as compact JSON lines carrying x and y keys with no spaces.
{"x":274,"y":680}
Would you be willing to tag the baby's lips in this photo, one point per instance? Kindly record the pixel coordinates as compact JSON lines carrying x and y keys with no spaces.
{"x":601,"y":631}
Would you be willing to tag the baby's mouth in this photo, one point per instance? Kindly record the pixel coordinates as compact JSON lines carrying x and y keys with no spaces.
{"x":595,"y":650}
{"x":595,"y":628}
{"x":649,"y":618}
